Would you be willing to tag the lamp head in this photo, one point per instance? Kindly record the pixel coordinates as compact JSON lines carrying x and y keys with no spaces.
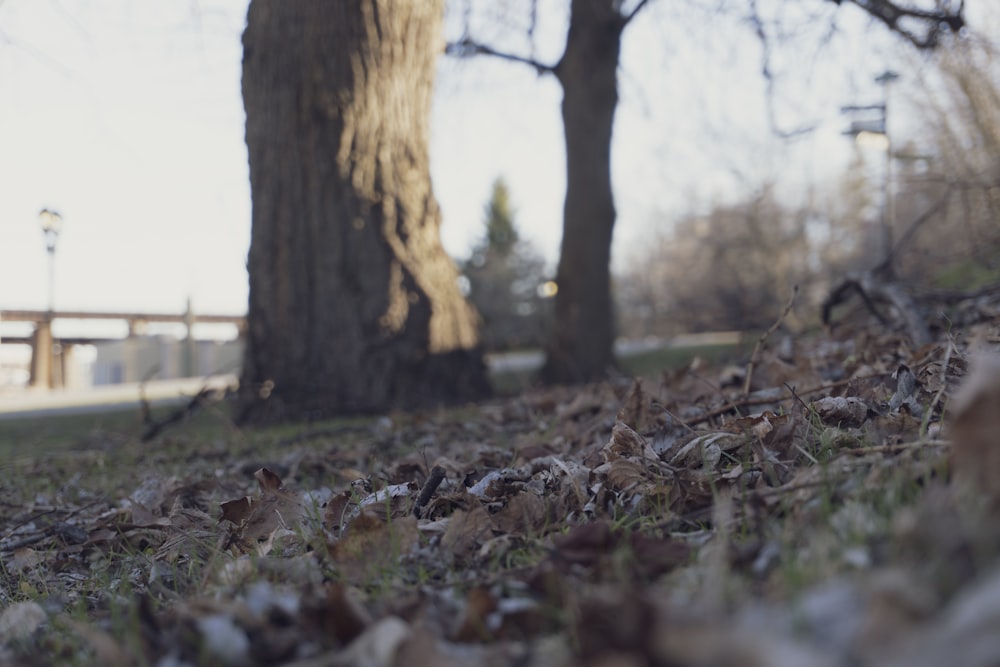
{"x":51,"y":226}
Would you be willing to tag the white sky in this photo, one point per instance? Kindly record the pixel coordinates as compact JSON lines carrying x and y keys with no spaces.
{"x":126,"y":117}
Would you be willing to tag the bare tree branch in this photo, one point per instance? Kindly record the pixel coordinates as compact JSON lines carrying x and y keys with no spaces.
{"x":631,"y":15}
{"x":466,"y":47}
{"x":895,"y":15}
{"x":948,"y":17}
{"x":757,"y":23}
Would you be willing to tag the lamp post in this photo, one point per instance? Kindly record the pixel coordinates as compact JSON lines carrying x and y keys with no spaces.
{"x":49,"y":372}
{"x":878,"y":126}
{"x":51,"y":226}
{"x":888,"y":205}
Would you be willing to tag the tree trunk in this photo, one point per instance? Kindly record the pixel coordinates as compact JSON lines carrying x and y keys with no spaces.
{"x":580,"y":346}
{"x":354,"y":305}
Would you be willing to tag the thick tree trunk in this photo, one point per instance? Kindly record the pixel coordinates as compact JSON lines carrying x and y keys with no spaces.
{"x":580,"y":347}
{"x":354,"y":305}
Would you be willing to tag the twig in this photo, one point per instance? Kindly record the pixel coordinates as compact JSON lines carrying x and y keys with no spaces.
{"x":763,"y":337}
{"x":154,"y":427}
{"x":898,"y":18}
{"x":467,"y":47}
{"x":791,"y":390}
{"x":944,"y":383}
{"x":144,"y":407}
{"x":788,"y":488}
{"x":680,"y":421}
{"x":430,"y":486}
{"x":638,"y":8}
{"x":899,"y":447}
{"x":839,"y":295}
{"x":746,"y":402}
{"x":870,"y":287}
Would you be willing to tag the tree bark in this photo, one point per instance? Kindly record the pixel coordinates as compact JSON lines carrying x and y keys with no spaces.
{"x":580,"y":346}
{"x":354,"y":305}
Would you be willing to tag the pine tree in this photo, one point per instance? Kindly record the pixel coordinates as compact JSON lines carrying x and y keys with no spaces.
{"x":501,"y":234}
{"x":504,"y":274}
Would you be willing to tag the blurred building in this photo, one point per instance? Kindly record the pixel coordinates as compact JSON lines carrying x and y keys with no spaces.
{"x":164,"y":357}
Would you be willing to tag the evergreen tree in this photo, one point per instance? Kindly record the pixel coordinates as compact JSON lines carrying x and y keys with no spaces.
{"x":504,"y":274}
{"x":501,"y":234}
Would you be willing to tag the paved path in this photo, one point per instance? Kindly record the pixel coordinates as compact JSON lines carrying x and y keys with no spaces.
{"x":32,"y":403}
{"x":20,"y":403}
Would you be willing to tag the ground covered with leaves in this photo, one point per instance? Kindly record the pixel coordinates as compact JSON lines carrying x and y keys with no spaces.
{"x":829,"y":501}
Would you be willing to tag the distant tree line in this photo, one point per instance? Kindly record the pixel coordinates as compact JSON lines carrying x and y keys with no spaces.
{"x":733,"y":266}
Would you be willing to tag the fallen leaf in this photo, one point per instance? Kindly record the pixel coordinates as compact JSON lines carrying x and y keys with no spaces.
{"x":473,"y":625}
{"x":975,"y":423}
{"x":372,"y":546}
{"x":257,"y":520}
{"x":625,"y":442}
{"x":841,"y":410}
{"x":20,"y":620}
{"x":466,"y":532}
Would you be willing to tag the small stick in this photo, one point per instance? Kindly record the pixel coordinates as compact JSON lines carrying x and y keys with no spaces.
{"x":763,"y":337}
{"x":430,"y":486}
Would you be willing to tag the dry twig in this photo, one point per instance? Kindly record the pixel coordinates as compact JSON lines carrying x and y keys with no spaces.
{"x":763,"y":337}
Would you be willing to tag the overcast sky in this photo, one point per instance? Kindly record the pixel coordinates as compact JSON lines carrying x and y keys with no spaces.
{"x":126,"y":117}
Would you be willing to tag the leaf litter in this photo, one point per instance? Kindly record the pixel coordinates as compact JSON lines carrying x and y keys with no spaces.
{"x":831,"y":503}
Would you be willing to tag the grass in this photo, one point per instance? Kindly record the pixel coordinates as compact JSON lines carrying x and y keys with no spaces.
{"x":648,"y":364}
{"x":654,"y":362}
{"x":44,"y":435}
{"x":823,"y":521}
{"x":967,"y":275}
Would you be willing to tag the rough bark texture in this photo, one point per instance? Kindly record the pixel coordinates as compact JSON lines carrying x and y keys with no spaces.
{"x":580,"y":347}
{"x":354,"y":305}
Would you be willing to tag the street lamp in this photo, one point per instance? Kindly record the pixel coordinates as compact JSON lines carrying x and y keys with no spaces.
{"x":865,"y":129}
{"x":51,"y":226}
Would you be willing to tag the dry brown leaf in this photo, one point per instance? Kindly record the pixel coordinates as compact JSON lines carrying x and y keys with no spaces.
{"x":473,"y":625}
{"x":338,"y":511}
{"x":372,"y":546}
{"x":624,"y":475}
{"x":107,"y":650}
{"x":377,"y":646}
{"x":975,"y":423}
{"x":656,"y":555}
{"x":583,"y":403}
{"x":705,"y":450}
{"x":257,"y":520}
{"x":594,"y":545}
{"x":341,"y":614}
{"x":268,"y":480}
{"x":760,"y":426}
{"x":585,"y":544}
{"x":524,"y":514}
{"x":236,"y":511}
{"x":20,"y":620}
{"x":636,"y":410}
{"x":24,"y":560}
{"x":466,"y":532}
{"x":625,"y":442}
{"x":841,"y":410}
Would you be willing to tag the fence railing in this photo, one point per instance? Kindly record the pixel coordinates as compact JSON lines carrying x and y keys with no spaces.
{"x":48,"y":354}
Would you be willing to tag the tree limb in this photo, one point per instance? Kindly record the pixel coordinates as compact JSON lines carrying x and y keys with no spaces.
{"x":757,"y":23}
{"x":631,"y":15}
{"x":466,"y":47}
{"x":934,"y":21}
